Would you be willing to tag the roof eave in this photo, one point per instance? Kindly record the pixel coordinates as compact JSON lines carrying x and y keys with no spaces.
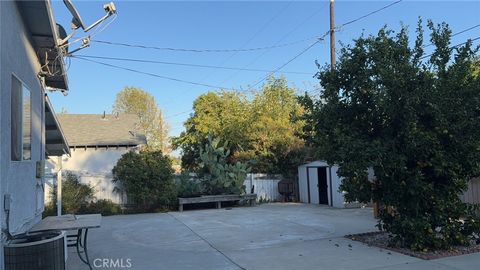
{"x":40,"y":21}
{"x":53,"y":27}
{"x":65,"y":148}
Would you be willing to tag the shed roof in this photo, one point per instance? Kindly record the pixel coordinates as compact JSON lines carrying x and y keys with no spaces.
{"x":316,"y":163}
{"x":102,"y":130}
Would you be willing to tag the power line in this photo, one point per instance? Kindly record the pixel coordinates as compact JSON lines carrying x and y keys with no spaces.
{"x":155,"y":75}
{"x":368,"y":14}
{"x":264,"y":26}
{"x":323,"y":36}
{"x":456,"y":34}
{"x":177,"y":114}
{"x":289,"y":61}
{"x":423,"y":57}
{"x":466,"y":30}
{"x":261,"y":29}
{"x":278,"y":41}
{"x":183,"y":64}
{"x":204,"y":50}
{"x":454,"y":46}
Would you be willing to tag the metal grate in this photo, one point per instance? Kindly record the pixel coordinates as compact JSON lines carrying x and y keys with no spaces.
{"x":40,"y":251}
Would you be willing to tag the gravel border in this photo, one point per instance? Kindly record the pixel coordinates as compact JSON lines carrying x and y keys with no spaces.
{"x":380,"y":240}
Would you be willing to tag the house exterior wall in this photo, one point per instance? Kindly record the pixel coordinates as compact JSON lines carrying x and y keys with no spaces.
{"x":94,"y":167}
{"x":17,"y":178}
{"x":2,"y":147}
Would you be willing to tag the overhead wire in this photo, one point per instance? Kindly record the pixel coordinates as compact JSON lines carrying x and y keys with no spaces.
{"x":296,"y":27}
{"x":454,"y":46}
{"x":227,"y":50}
{"x":181,"y":64}
{"x":155,"y":75}
{"x":244,"y":44}
{"x":456,"y":34}
{"x":367,"y":15}
{"x":204,"y":50}
{"x":323,"y":36}
{"x":423,"y":57}
{"x":289,"y":61}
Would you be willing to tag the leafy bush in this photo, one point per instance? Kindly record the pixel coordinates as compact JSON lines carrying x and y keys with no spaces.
{"x":147,"y":178}
{"x":77,"y":198}
{"x":415,"y":122}
{"x":75,"y":195}
{"x":187,"y":187}
{"x":103,"y":206}
{"x":219,"y":177}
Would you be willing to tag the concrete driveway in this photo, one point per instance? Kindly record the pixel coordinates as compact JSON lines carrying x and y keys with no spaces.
{"x":269,"y":236}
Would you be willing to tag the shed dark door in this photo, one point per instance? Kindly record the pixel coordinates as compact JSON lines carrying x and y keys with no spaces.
{"x":322,"y":186}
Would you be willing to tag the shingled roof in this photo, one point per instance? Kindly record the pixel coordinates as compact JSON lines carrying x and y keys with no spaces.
{"x":88,"y":130}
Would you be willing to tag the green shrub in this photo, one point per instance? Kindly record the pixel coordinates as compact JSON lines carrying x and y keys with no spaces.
{"x":218,"y":176}
{"x":103,"y":206}
{"x":187,"y":187}
{"x":50,"y":210}
{"x":147,"y":178}
{"x":75,"y":195}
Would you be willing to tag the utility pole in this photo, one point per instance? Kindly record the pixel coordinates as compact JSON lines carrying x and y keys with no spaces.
{"x":332,"y":35}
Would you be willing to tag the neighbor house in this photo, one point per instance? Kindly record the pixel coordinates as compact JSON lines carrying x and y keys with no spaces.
{"x":96,"y":143}
{"x":30,"y":63}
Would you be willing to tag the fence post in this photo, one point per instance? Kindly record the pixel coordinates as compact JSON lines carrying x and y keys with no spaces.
{"x":252,"y":187}
{"x":59,"y":186}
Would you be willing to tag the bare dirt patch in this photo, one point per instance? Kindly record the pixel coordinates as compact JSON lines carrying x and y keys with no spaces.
{"x":381,"y":240}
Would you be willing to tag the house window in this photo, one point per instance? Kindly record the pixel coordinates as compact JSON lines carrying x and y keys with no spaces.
{"x":21,"y":113}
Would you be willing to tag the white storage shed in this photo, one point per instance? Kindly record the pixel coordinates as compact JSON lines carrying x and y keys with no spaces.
{"x":318,"y":183}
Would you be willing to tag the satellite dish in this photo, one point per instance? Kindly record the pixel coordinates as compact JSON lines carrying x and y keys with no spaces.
{"x":62,"y":35}
{"x":76,"y":20}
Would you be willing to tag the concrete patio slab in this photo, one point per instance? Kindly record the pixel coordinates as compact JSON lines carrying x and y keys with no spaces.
{"x":269,"y":236}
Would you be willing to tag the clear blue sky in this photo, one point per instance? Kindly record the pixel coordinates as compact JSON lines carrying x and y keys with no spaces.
{"x":225,"y":25}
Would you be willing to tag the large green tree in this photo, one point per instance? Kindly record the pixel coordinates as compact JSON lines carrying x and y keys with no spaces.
{"x":225,"y":115}
{"x":414,"y":118}
{"x":137,"y":101}
{"x":262,"y":129}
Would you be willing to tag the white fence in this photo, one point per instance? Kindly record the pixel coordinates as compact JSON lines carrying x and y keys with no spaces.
{"x":102,"y":184}
{"x":265,"y":186}
{"x":472,"y":195}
